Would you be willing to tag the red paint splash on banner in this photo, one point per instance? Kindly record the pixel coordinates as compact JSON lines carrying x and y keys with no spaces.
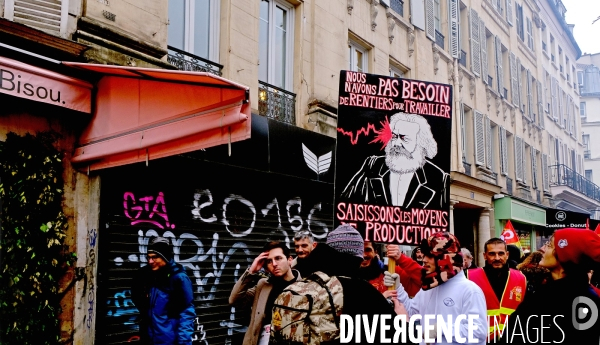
{"x":383,"y":135}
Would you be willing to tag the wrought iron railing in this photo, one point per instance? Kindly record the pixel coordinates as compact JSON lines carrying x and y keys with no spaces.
{"x":463,"y":58}
{"x":467,"y":167}
{"x":397,"y":6}
{"x":185,"y":61}
{"x":562,"y":175}
{"x":439,"y":39}
{"x":509,"y":185}
{"x":276,"y":103}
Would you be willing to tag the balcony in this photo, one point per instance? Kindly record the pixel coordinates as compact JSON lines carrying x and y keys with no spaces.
{"x":439,"y":39}
{"x":463,"y":58}
{"x":509,"y":185}
{"x":562,"y":175}
{"x":276,"y":103}
{"x":467,"y":167}
{"x":397,"y":6}
{"x":185,"y":61}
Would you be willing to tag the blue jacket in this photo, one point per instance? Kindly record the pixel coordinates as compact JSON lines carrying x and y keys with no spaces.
{"x":165,"y":301}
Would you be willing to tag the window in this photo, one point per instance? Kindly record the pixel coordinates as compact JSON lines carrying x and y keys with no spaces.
{"x":396,"y":72}
{"x":48,"y":16}
{"x":520,"y":31}
{"x":582,"y":111}
{"x":529,"y":34}
{"x":275,"y":43}
{"x":436,"y":15}
{"x":194,"y":27}
{"x":588,"y":175}
{"x":586,"y":146}
{"x":358,"y":58}
{"x":580,"y":78}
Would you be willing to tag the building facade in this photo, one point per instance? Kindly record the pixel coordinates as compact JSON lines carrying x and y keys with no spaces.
{"x":516,"y":147}
{"x":588,"y":78}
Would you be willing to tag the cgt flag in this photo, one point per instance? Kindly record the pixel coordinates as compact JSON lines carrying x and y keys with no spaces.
{"x":509,"y":235}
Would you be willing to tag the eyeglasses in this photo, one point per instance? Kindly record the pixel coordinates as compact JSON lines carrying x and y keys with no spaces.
{"x":152,"y":257}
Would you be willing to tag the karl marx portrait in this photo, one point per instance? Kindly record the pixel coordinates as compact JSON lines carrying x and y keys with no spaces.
{"x":404,"y":176}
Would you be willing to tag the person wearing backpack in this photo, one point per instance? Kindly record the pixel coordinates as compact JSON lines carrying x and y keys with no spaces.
{"x":162,"y":292}
{"x":334,"y":279}
{"x":260,"y":293}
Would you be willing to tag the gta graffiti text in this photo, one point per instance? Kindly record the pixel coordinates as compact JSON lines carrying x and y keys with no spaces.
{"x":144,"y":210}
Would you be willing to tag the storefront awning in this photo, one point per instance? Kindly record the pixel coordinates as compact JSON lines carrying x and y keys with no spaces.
{"x":141,"y":114}
{"x":37,"y":84}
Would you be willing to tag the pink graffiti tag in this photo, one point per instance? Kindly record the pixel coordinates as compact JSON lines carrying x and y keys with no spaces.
{"x":142,"y":213}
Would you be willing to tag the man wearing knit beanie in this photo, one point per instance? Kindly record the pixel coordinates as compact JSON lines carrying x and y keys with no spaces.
{"x":169,"y":319}
{"x":341,"y":256}
{"x":570,"y":306}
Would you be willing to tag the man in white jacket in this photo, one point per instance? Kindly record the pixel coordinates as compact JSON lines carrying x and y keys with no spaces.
{"x":445,"y":292}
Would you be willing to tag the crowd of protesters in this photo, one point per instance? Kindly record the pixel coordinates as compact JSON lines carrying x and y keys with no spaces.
{"x":441,"y":278}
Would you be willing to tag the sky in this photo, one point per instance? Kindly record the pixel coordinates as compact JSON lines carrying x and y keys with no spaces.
{"x":582,"y":13}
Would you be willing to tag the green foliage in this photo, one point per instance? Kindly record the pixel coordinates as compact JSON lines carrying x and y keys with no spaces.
{"x":33,"y":256}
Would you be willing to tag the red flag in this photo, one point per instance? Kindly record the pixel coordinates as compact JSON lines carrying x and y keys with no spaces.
{"x":509,"y":235}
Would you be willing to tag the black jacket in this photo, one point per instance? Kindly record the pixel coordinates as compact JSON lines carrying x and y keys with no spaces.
{"x":554,"y":299}
{"x":428,"y":187}
{"x":360,"y":297}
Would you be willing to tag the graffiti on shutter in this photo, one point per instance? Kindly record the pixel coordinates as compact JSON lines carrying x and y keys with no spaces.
{"x":484,"y":57}
{"x":454,"y":29}
{"x":479,"y":139}
{"x":475,"y":47}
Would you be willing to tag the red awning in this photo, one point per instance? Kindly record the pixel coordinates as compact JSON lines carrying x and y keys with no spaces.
{"x":142,"y":114}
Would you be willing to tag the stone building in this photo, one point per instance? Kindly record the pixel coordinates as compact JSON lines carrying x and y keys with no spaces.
{"x":516,"y":144}
{"x":588,"y":79}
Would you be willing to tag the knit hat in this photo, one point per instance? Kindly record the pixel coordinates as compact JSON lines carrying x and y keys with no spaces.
{"x":346,"y":239}
{"x":445,"y":249}
{"x":162,"y":247}
{"x":576,"y":245}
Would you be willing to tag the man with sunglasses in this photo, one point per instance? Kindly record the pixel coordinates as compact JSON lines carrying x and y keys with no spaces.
{"x":260,"y":293}
{"x":162,"y":292}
